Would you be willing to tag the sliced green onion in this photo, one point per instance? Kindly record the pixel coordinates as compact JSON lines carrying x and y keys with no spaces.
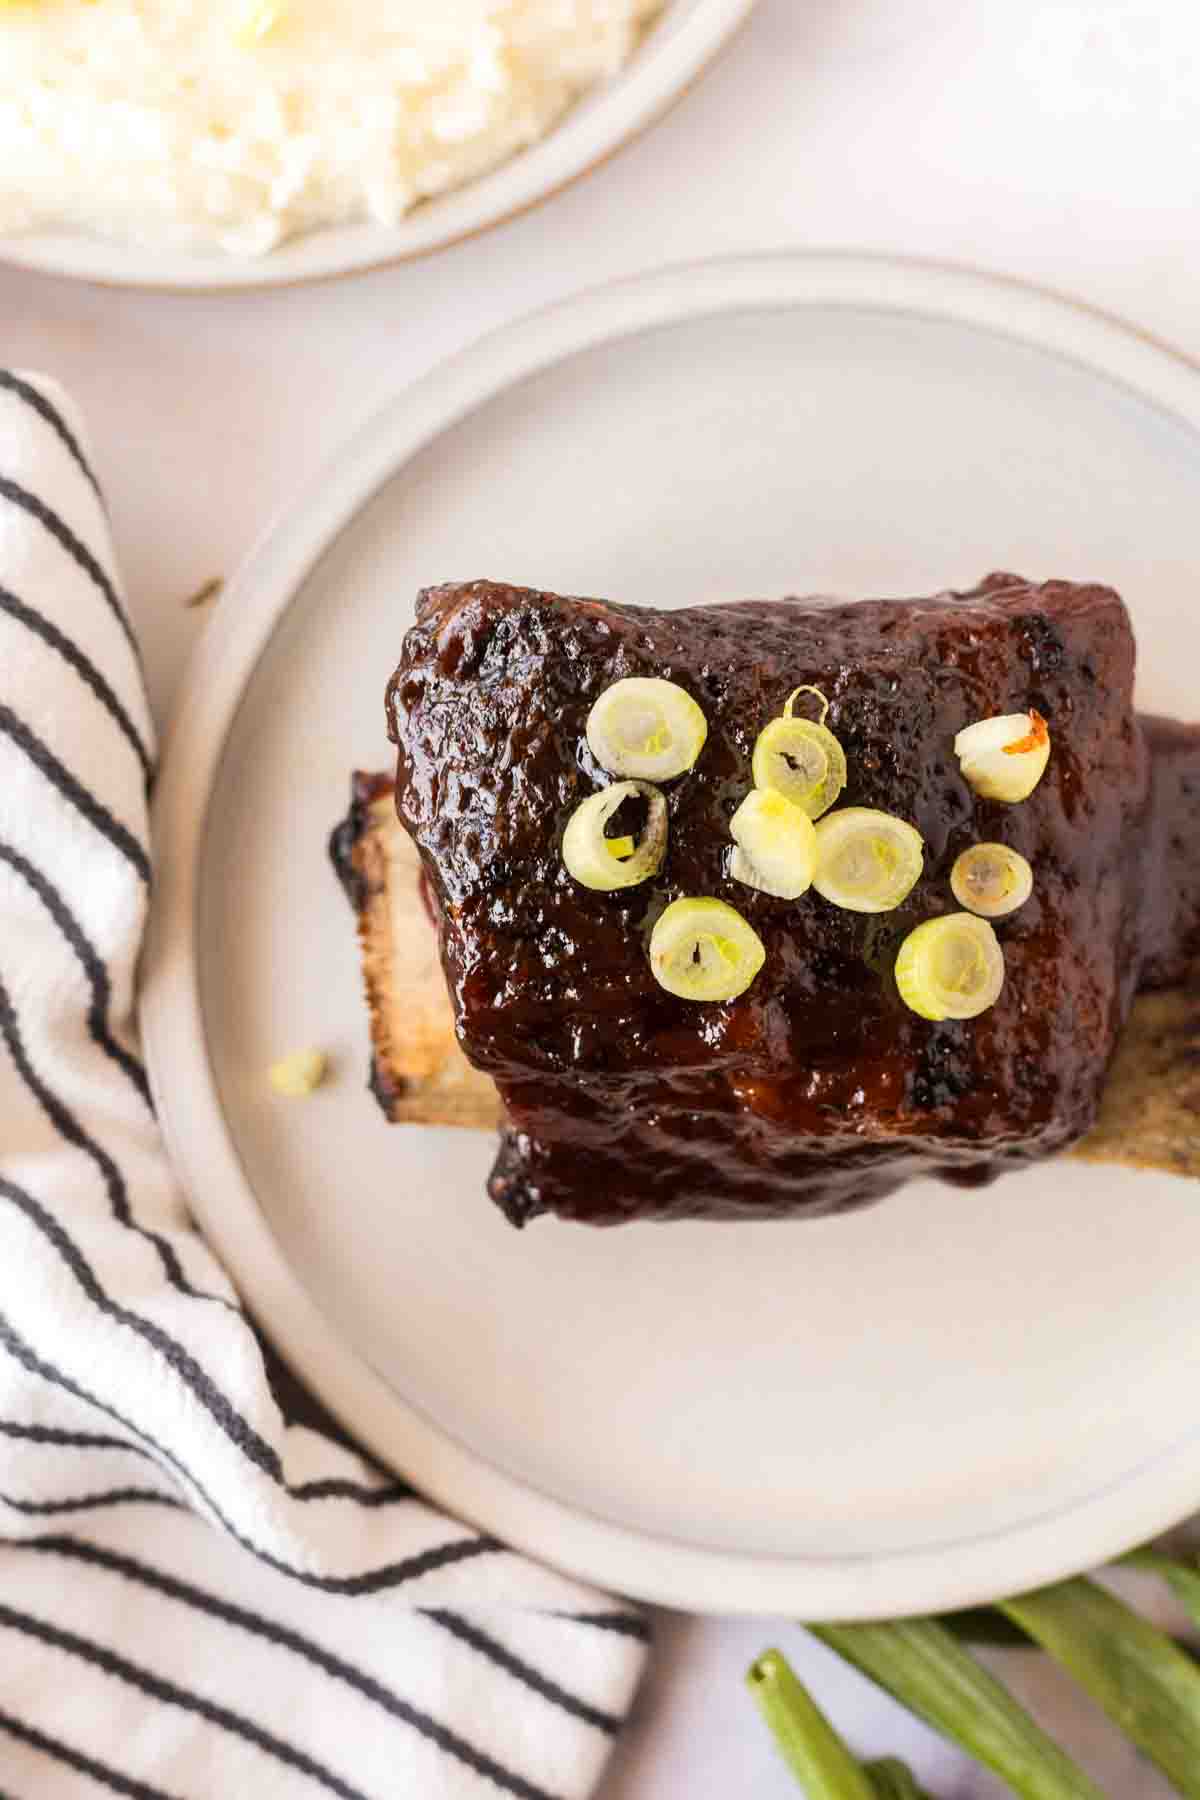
{"x":921,"y":1665}
{"x":1149,"y":1686}
{"x":789,"y":705}
{"x":705,"y":950}
{"x":867,"y":861}
{"x":605,"y":863}
{"x":802,"y":761}
{"x":299,"y":1075}
{"x":1004,"y":758}
{"x":991,"y":880}
{"x":799,"y":759}
{"x":776,"y":845}
{"x":808,"y":1743}
{"x":647,"y":727}
{"x":950,"y":968}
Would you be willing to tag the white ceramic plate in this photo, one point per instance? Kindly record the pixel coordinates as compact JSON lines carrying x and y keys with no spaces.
{"x":673,"y":55}
{"x":951,"y":1396}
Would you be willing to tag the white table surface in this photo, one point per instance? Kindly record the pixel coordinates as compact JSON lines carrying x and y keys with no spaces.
{"x":1053,"y":139}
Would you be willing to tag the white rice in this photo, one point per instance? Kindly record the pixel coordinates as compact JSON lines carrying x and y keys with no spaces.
{"x":166,"y":123}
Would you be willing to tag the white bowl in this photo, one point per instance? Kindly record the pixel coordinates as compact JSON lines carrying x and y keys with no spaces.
{"x":675,"y":52}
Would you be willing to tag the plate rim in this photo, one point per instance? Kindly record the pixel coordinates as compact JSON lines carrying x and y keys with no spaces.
{"x":623,"y":110}
{"x":1144,"y":1501}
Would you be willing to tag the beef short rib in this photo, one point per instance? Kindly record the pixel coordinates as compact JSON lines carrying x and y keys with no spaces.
{"x":817,"y":1090}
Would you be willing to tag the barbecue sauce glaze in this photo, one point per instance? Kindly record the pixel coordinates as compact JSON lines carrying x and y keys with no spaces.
{"x":817,"y":1090}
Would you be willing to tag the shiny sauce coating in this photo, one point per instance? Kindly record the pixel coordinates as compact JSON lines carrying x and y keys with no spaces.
{"x":818,"y":1089}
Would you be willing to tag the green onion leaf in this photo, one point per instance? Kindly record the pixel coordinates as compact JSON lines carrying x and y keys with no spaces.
{"x":867,"y":861}
{"x":646,"y":727}
{"x":809,"y":1745}
{"x":702,"y":949}
{"x":802,"y":761}
{"x":919,"y":1662}
{"x":605,"y":863}
{"x":983,"y":1626}
{"x":1142,"y":1680}
{"x":1182,"y":1578}
{"x":950,"y":968}
{"x":891,"y":1780}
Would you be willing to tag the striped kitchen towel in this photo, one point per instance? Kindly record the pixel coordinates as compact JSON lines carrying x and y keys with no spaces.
{"x":196,"y":1598}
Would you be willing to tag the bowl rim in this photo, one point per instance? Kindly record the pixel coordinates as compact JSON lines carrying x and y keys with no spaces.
{"x":605,"y":121}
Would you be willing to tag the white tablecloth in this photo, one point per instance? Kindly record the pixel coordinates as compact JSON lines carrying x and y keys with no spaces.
{"x":1053,"y":139}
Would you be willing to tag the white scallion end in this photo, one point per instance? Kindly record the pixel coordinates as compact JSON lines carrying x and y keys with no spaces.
{"x":776,"y":845}
{"x":1004,"y":758}
{"x":991,"y":880}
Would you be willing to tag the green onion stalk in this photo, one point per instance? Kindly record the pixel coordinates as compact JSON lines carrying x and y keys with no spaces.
{"x":1144,"y":1682}
{"x":923,"y":1665}
{"x":808,"y":1743}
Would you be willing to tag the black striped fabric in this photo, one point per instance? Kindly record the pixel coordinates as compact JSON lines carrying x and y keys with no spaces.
{"x":197,"y":1599}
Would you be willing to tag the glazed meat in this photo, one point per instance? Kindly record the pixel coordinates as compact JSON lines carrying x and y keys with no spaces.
{"x":1150,"y":1110}
{"x":817,"y":1090}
